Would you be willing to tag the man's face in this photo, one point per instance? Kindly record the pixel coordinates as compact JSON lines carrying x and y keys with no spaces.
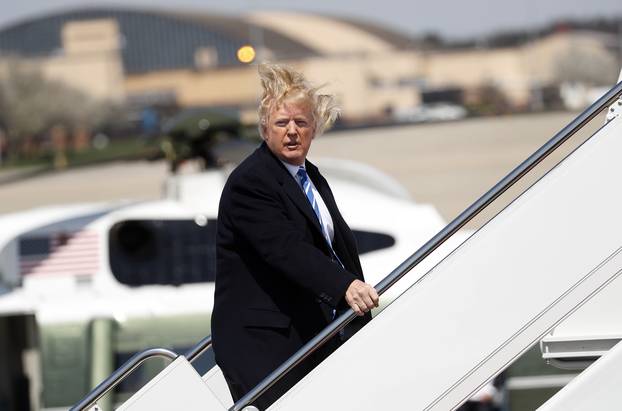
{"x":289,"y":131}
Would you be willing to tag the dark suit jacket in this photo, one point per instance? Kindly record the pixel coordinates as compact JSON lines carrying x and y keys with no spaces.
{"x":277,"y":282}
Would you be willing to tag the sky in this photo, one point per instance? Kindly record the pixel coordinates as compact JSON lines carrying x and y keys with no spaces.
{"x":453,"y":19}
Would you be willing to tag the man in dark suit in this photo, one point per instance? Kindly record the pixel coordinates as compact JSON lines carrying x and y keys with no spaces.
{"x":286,"y":259}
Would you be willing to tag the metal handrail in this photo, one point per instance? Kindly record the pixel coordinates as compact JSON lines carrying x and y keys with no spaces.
{"x":436,"y":241}
{"x":198,"y":349}
{"x":130,"y":365}
{"x":120,"y":374}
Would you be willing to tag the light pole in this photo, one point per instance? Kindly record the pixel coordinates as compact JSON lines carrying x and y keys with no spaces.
{"x":255,"y":35}
{"x":3,"y":144}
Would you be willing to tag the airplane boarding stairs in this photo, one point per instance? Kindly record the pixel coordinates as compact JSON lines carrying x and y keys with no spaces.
{"x":596,"y":388}
{"x":496,"y":295}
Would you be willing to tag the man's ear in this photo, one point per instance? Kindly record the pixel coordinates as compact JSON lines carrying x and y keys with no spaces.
{"x":263,"y":130}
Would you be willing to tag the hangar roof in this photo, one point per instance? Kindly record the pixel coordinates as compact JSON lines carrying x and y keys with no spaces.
{"x":154,"y":40}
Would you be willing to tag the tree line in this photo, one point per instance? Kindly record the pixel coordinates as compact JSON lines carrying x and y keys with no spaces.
{"x":43,"y":116}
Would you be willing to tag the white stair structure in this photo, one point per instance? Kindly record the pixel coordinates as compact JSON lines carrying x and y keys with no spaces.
{"x":163,"y":391}
{"x":596,"y":388}
{"x":590,"y":337}
{"x":588,"y":333}
{"x":539,"y":260}
{"x":594,"y":328}
{"x":547,"y":253}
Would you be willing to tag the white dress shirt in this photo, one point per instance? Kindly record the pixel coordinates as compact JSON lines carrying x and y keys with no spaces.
{"x":327,"y":220}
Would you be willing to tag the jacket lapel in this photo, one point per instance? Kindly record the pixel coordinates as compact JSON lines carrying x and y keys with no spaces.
{"x":291,"y":188}
{"x":341,"y":245}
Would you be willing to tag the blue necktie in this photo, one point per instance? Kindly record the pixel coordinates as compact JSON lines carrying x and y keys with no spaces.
{"x":306,"y":187}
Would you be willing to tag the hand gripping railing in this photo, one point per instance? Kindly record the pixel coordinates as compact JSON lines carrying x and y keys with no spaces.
{"x":130,"y":365}
{"x":459,"y":222}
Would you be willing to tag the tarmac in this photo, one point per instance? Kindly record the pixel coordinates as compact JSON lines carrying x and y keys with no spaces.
{"x":447,"y":164}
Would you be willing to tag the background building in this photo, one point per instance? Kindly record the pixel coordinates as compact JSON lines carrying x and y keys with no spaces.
{"x":151,"y":58}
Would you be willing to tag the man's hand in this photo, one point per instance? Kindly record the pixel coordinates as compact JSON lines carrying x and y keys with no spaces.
{"x":361,"y":297}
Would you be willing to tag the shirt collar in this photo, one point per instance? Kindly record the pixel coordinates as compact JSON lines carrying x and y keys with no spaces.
{"x":293,"y":170}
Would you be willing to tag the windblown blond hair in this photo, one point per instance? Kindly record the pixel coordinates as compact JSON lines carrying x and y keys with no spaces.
{"x":281,"y":83}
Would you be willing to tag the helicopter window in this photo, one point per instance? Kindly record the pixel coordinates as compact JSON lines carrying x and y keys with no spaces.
{"x":368,"y":241}
{"x":168,"y":252}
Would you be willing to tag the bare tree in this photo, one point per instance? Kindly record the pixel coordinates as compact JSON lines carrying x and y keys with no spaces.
{"x":31,"y":105}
